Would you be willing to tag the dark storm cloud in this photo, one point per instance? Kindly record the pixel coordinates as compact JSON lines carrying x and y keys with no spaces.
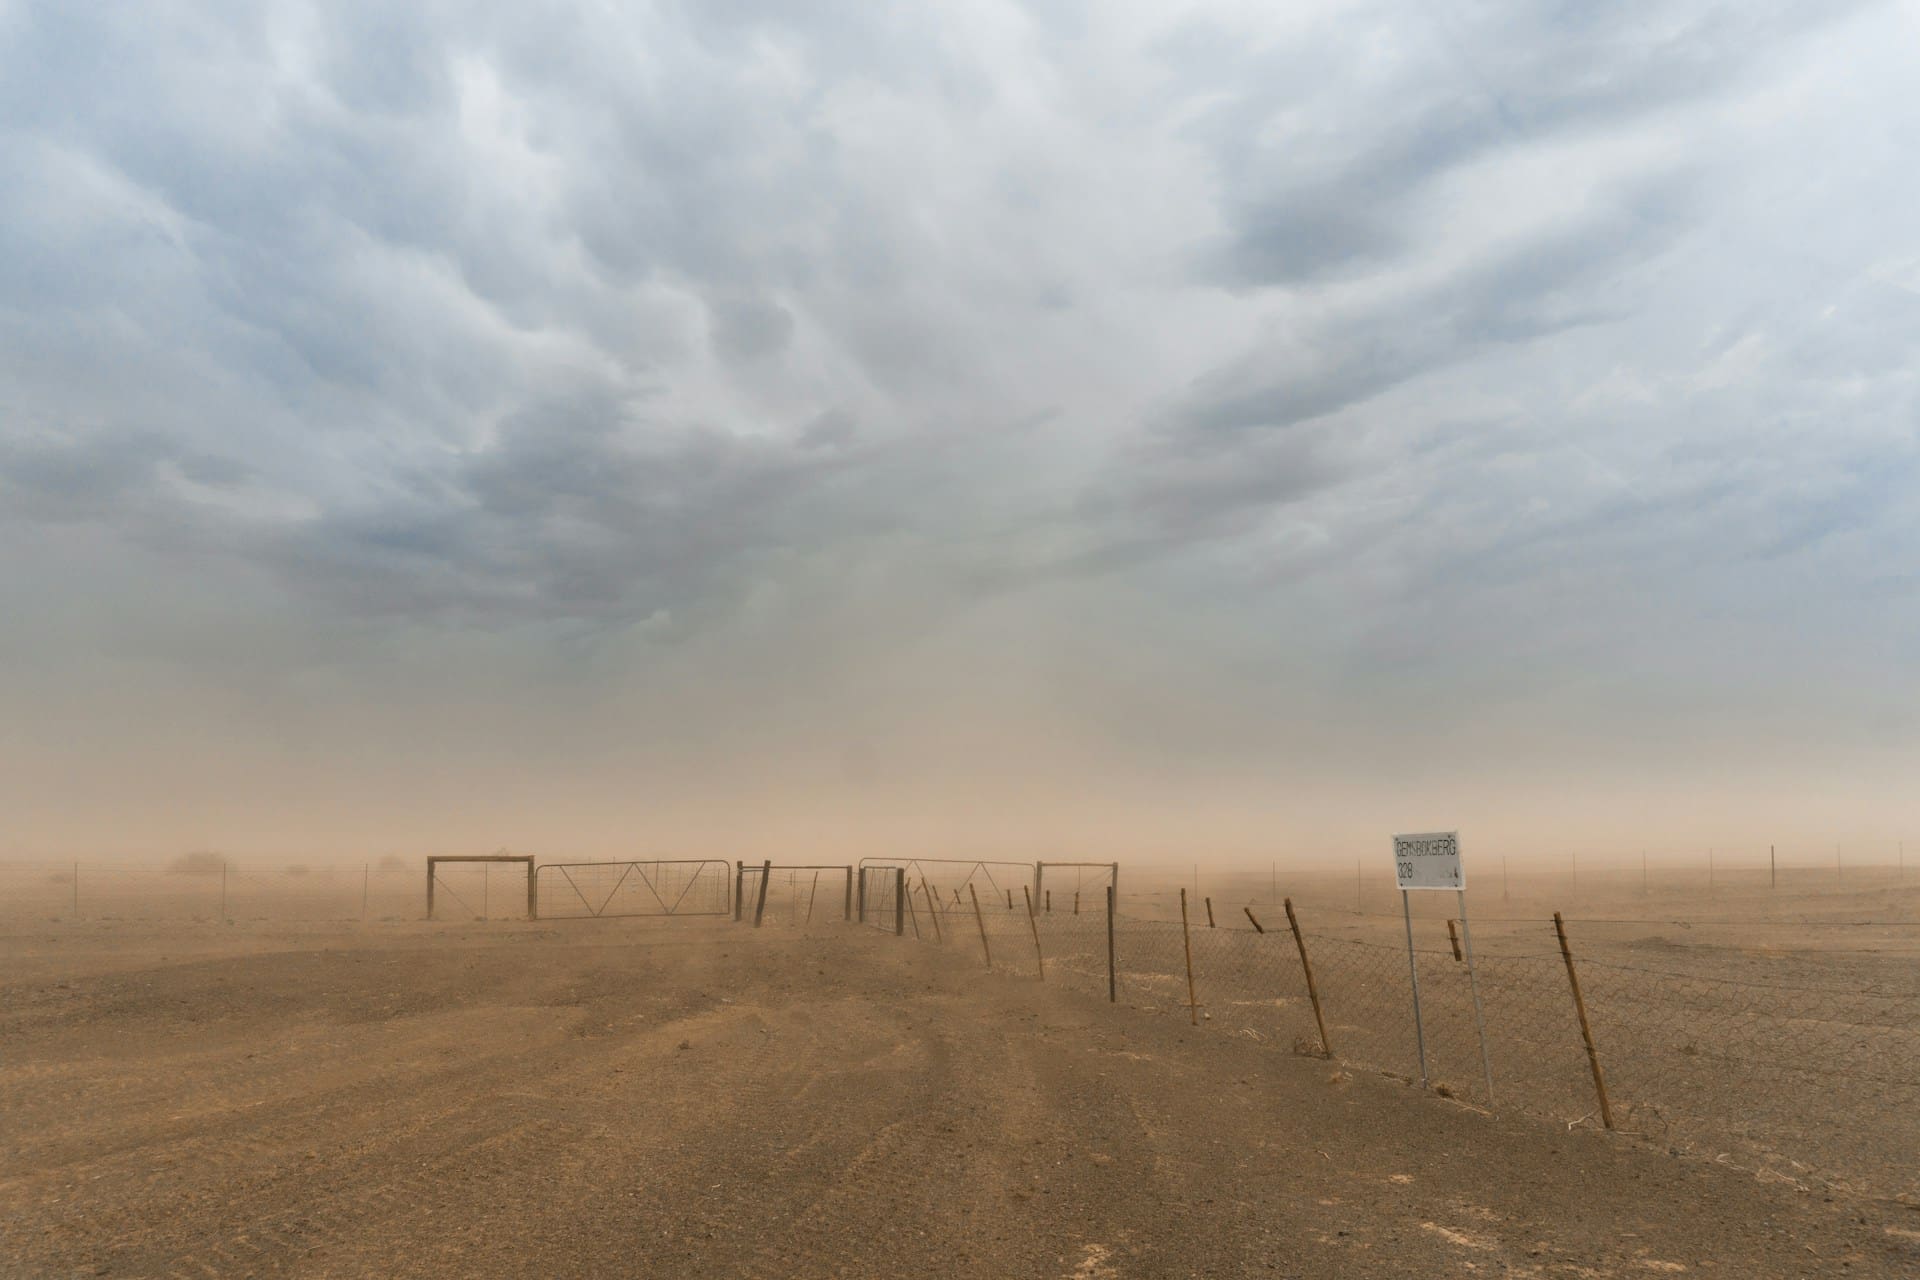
{"x":484,"y":318}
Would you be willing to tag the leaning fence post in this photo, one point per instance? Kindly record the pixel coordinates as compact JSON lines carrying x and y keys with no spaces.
{"x":1453,"y":936}
{"x":1306,"y":966}
{"x":1586,"y":1028}
{"x":760,"y":906}
{"x":1186,"y":939}
{"x":981,"y":921}
{"x":933,"y":912}
{"x":1038,"y":959}
{"x":1113,"y":981}
{"x":1210,"y":923}
{"x":1254,"y":918}
{"x":913,"y":912}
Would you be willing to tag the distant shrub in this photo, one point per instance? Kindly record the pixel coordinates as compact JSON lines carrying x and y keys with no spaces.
{"x":200,"y":863}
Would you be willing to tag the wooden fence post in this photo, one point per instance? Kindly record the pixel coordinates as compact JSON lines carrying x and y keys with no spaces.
{"x":913,"y":912}
{"x":1038,"y":959}
{"x":739,"y":887}
{"x":1113,"y":980}
{"x":1586,"y":1028}
{"x":848,"y":908}
{"x":1186,"y":939}
{"x":1306,"y":966}
{"x":1453,"y":936}
{"x":760,"y":906}
{"x":1254,"y":918}
{"x":899,"y":906}
{"x":981,"y":921}
{"x":1210,"y":911}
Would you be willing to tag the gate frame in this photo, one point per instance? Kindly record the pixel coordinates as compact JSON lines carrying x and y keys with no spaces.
{"x":899,"y":894}
{"x":630,"y":863}
{"x":533,"y":888}
{"x":979,"y":864}
{"x":1040,"y":874}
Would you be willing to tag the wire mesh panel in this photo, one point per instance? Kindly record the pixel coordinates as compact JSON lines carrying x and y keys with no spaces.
{"x":604,"y":890}
{"x":797,"y":896}
{"x":950,"y":878}
{"x":1069,"y":887}
{"x":480,"y":887}
{"x":878,"y":898}
{"x":1805,"y":1080}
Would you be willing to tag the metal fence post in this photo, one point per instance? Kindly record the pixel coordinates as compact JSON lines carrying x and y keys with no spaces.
{"x":1186,"y":939}
{"x":1413,"y":972}
{"x":760,"y":905}
{"x":1473,"y":986}
{"x":1586,"y":1028}
{"x":739,"y":887}
{"x":848,"y":908}
{"x":860,"y":899}
{"x":899,"y":901}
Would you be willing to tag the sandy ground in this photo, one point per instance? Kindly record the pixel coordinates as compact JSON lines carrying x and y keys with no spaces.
{"x":629,"y":1098}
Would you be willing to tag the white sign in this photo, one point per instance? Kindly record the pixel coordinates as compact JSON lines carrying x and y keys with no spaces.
{"x":1428,"y":861}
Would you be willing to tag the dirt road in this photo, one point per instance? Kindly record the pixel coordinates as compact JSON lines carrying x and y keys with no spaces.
{"x":706,"y":1101}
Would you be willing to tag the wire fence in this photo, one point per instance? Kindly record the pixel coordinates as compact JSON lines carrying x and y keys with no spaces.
{"x":1815,"y":1083}
{"x":112,"y":893}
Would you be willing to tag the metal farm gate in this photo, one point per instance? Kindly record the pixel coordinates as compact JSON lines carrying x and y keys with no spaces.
{"x":950,"y":878}
{"x":610,"y":890}
{"x":880,"y":898}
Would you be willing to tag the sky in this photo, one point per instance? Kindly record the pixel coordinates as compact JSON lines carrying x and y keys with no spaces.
{"x":1099,"y":429}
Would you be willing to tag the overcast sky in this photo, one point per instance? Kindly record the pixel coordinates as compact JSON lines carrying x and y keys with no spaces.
{"x":1165,"y":429}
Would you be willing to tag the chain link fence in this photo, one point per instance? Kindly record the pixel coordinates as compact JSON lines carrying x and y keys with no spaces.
{"x":1816,"y":1083}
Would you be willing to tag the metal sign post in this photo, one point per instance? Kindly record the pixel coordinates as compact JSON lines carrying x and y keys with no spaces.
{"x":1427,"y":861}
{"x":1413,"y":972}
